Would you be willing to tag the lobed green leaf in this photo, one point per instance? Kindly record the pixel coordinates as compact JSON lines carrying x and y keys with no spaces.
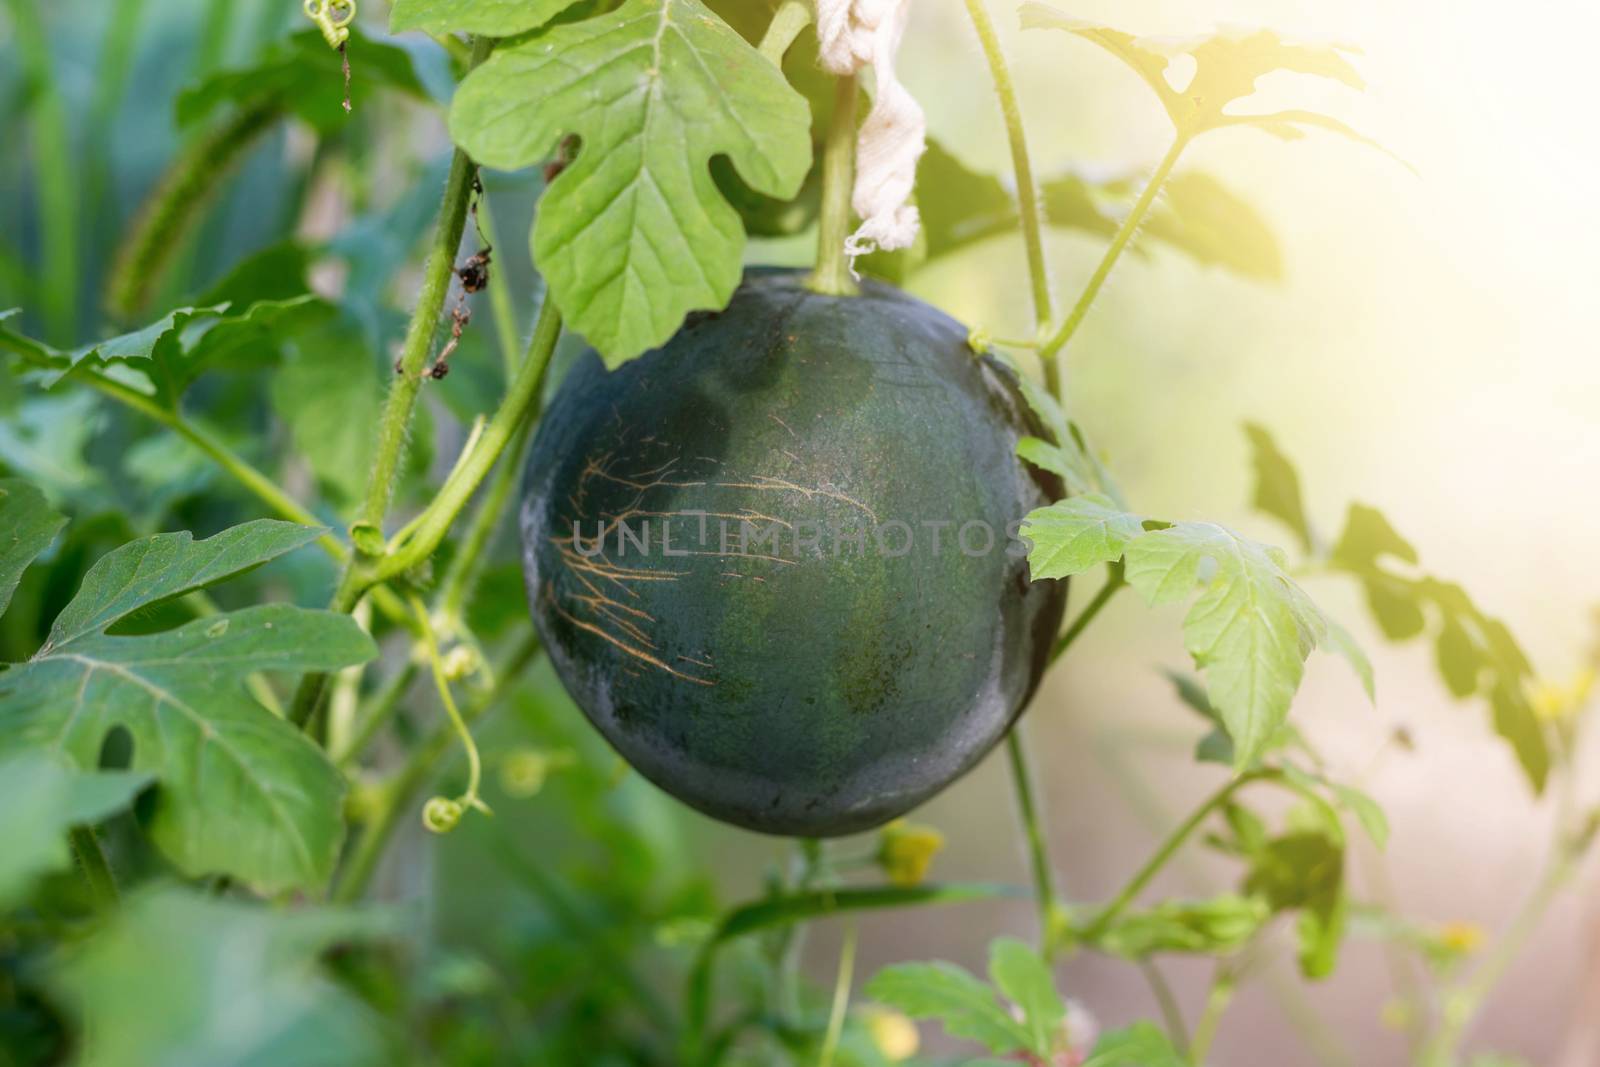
{"x":44,"y":798}
{"x":634,"y":234}
{"x":241,"y":792}
{"x":237,"y":984}
{"x":27,"y":526}
{"x":492,"y":18}
{"x":963,"y":1005}
{"x":1019,"y":973}
{"x":1075,"y":535}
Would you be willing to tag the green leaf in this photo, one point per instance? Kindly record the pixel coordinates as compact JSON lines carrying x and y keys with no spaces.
{"x":185,"y":980}
{"x":240,"y":791}
{"x":1020,"y":974}
{"x":329,"y":394}
{"x":302,"y":75}
{"x":1140,"y":1045}
{"x":1277,"y":491}
{"x":27,"y":526}
{"x":1065,"y":463}
{"x":1367,"y":539}
{"x":634,"y":234}
{"x":46,"y":440}
{"x":965,"y":1006}
{"x":175,"y":349}
{"x":493,"y":18}
{"x":1250,"y":630}
{"x":1227,"y":66}
{"x":277,"y":272}
{"x":1338,"y":640}
{"x":1304,"y":870}
{"x":1515,"y":720}
{"x":1072,"y":536}
{"x":1394,"y":605}
{"x":1367,"y":812}
{"x":1193,"y":694}
{"x":1147,"y":61}
{"x":1217,"y":926}
{"x":1460,"y":663}
{"x":799,"y":907}
{"x":43,"y":800}
{"x":960,"y":207}
{"x":1204,"y":219}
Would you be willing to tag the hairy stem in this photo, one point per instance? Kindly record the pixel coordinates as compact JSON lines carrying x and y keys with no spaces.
{"x":832,"y":274}
{"x":510,"y":419}
{"x":1052,"y":919}
{"x":402,"y":788}
{"x":786,"y":24}
{"x":1027,"y":190}
{"x":96,"y":870}
{"x":176,"y":203}
{"x":394,"y":425}
{"x":1119,"y":244}
{"x":1114,"y":582}
{"x":55,"y":177}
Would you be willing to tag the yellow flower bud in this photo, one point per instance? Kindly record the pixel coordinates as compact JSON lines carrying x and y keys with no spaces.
{"x":906,"y":850}
{"x":894,"y":1034}
{"x":1460,"y":937}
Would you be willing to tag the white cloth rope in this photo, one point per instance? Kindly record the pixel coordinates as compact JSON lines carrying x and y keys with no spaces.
{"x":854,"y":34}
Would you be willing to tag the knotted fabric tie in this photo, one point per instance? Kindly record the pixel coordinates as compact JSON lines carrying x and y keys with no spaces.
{"x":854,"y":34}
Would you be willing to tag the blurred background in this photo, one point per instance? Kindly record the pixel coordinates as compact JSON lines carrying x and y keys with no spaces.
{"x":1430,"y":350}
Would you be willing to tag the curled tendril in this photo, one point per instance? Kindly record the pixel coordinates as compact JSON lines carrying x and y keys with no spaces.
{"x":333,"y":18}
{"x":441,"y":814}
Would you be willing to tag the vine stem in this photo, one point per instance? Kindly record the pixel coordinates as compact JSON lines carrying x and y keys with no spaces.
{"x":429,"y":528}
{"x":1114,"y":583}
{"x":1171,"y":1013}
{"x":1205,"y":1031}
{"x":841,"y":997}
{"x":394,"y":424}
{"x":832,"y":274}
{"x":787,"y":22}
{"x":375,"y":713}
{"x":441,"y":682}
{"x":1052,"y":918}
{"x":398,"y":792}
{"x":1118,"y":904}
{"x":1461,"y":1005}
{"x":438,"y":270}
{"x":96,"y":870}
{"x":1027,"y":191}
{"x":1130,"y":226}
